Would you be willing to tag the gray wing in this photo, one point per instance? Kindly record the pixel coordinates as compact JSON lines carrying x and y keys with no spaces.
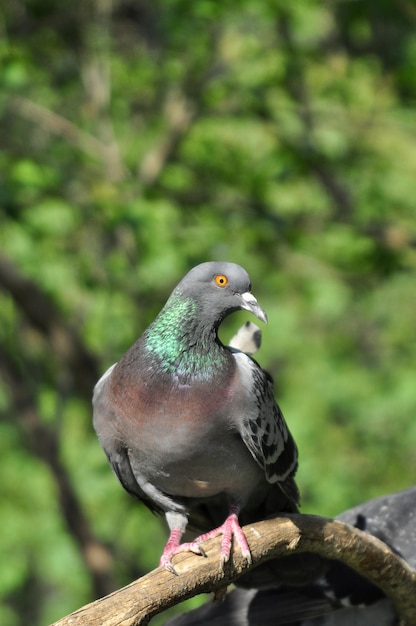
{"x":116,"y":453}
{"x":263,"y":427}
{"x":250,"y":607}
{"x":119,"y":456}
{"x":279,"y":607}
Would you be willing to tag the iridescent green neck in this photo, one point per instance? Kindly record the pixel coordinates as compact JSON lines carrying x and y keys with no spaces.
{"x":182,"y":343}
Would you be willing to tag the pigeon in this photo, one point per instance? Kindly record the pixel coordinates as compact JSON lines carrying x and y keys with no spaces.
{"x":247,"y":339}
{"x":190,"y":426}
{"x":341,"y":597}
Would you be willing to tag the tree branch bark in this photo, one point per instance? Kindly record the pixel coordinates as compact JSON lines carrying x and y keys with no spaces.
{"x":137,"y":603}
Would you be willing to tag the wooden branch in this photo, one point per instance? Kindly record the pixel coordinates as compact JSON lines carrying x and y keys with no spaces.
{"x":137,"y":603}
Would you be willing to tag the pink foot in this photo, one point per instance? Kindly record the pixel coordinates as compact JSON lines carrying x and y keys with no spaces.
{"x":230,"y":528}
{"x":173,"y":547}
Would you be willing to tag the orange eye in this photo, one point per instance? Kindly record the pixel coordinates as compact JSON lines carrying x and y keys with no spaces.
{"x":221,"y":280}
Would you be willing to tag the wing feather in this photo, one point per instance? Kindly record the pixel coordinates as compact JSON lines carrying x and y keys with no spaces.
{"x":263,"y":427}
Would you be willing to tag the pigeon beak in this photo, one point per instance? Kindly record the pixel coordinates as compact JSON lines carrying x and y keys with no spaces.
{"x":249,"y":303}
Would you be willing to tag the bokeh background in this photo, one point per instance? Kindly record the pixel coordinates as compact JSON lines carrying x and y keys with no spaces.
{"x":141,"y":137}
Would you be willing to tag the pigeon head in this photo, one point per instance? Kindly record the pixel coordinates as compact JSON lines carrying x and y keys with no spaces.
{"x":182,"y":341}
{"x":218,"y":289}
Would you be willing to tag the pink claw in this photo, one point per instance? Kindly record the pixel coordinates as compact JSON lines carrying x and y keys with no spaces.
{"x":228,"y":529}
{"x":173,"y":547}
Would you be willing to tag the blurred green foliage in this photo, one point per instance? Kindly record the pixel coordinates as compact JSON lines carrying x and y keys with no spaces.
{"x":140,"y":138}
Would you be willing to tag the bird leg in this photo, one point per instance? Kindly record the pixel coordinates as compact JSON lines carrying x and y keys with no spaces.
{"x":228,"y":529}
{"x":173,"y":546}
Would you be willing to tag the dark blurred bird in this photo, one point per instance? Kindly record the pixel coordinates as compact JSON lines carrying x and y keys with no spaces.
{"x":191,"y":427}
{"x":341,"y":597}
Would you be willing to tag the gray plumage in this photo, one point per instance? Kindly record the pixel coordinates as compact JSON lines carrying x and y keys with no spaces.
{"x":190,"y":426}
